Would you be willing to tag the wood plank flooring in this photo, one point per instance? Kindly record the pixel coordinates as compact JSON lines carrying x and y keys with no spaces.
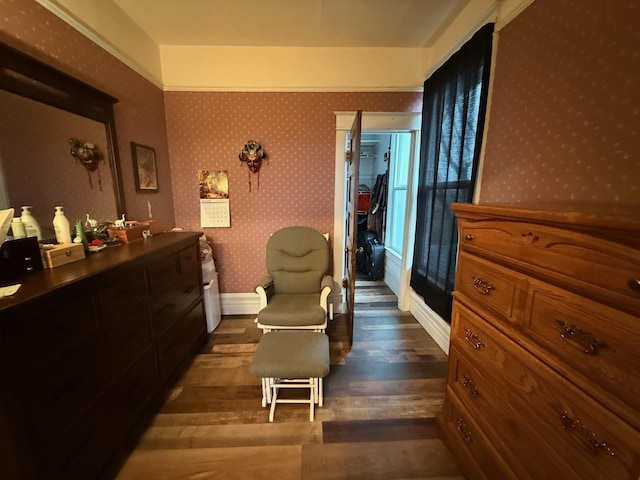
{"x":377,"y":422}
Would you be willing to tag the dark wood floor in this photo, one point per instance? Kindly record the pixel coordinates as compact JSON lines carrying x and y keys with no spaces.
{"x":377,"y":422}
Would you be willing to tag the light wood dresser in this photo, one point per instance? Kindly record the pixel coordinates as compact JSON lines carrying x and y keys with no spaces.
{"x":544,"y":360}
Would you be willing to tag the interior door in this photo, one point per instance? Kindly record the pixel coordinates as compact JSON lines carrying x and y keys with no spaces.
{"x":351,"y":218}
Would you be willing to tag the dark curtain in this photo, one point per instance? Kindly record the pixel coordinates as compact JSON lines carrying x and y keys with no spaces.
{"x":454,"y":106}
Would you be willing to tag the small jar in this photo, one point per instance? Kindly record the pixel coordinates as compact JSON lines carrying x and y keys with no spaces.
{"x":18,"y":229}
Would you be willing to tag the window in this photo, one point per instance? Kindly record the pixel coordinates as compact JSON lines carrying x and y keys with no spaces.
{"x":454,"y":106}
{"x":400,"y":149}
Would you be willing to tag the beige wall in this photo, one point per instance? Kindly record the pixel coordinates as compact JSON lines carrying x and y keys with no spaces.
{"x":563,"y":121}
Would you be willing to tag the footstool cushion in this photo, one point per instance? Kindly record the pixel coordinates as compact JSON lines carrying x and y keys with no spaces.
{"x":291,"y":359}
{"x":292,"y":354}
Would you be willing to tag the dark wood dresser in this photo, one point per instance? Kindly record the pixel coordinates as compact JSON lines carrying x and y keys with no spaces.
{"x":544,"y":360}
{"x":87,"y":351}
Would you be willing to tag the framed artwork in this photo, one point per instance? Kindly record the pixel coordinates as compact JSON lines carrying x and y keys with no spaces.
{"x":145,"y":170}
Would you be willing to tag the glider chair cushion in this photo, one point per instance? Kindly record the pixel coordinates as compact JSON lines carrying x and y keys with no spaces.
{"x":294,"y":294}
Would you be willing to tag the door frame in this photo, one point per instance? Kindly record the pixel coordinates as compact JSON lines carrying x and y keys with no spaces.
{"x":371,"y":122}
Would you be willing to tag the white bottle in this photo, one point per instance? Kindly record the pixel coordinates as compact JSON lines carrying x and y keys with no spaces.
{"x":61,"y":226}
{"x":30,"y":223}
{"x":17,"y":227}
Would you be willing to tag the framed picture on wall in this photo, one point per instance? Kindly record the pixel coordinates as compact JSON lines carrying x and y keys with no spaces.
{"x":145,"y":170}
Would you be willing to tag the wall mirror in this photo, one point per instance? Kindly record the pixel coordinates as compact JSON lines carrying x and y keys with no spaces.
{"x":42,"y":108}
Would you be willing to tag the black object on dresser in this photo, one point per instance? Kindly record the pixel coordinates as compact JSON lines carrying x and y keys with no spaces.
{"x":87,"y":352}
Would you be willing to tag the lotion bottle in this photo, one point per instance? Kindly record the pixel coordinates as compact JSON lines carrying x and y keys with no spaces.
{"x":30,"y":223}
{"x":61,"y":226}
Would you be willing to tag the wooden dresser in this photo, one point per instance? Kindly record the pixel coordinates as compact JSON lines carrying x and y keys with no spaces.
{"x":87,"y":350}
{"x":544,"y":360}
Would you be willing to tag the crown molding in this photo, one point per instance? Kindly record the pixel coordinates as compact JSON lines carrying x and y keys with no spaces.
{"x":513,"y":13}
{"x":92,"y":35}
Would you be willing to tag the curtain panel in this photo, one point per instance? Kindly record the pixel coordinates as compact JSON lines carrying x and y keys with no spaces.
{"x":454,"y":107}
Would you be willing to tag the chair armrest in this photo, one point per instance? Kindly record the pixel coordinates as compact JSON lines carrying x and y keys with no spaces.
{"x":327,"y":282}
{"x":327,"y":288}
{"x":265,"y":282}
{"x":264,"y":289}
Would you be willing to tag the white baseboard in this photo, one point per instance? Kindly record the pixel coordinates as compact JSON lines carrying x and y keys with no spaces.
{"x":239,"y":303}
{"x":433,"y":323}
{"x":249,"y":303}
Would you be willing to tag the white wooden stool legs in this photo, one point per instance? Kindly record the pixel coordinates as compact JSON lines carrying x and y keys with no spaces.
{"x":271,"y":388}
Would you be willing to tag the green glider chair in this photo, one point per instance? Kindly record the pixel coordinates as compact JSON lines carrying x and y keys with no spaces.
{"x":295,"y":293}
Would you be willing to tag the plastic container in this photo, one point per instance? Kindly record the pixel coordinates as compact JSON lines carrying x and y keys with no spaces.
{"x":30,"y":223}
{"x":61,"y":226}
{"x":212,"y":304}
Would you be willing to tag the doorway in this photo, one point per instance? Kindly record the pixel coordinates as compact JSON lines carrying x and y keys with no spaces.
{"x":380,"y":128}
{"x":382,"y":202}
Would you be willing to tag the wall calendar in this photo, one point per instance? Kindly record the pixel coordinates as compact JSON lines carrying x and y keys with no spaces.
{"x":214,"y":198}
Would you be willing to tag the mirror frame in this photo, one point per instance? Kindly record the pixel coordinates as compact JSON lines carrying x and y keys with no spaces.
{"x":31,"y":78}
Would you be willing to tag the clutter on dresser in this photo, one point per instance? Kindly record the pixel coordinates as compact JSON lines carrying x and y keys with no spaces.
{"x":61,"y":226}
{"x":61,"y":254}
{"x":131,"y":230}
{"x":19,"y":256}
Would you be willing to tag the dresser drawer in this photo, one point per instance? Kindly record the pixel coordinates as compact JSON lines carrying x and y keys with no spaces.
{"x":174,"y":303}
{"x":57,"y":392}
{"x":178,"y":339}
{"x":500,"y":289}
{"x":189,"y":260}
{"x":163,"y":274}
{"x":600,"y":343}
{"x":496,"y":410}
{"x":123,"y":343}
{"x":50,"y":328}
{"x":87,"y":446}
{"x":565,"y":255}
{"x":473,"y":449}
{"x":125,"y":289}
{"x":597,"y":443}
{"x":53,"y":397}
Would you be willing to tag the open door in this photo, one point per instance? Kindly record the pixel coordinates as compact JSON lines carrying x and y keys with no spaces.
{"x":351,"y":218}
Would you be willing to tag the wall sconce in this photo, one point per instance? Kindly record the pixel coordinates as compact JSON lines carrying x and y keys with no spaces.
{"x":88,"y":155}
{"x":253,"y":154}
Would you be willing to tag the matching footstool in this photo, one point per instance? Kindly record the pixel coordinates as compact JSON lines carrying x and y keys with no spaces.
{"x":291,"y":359}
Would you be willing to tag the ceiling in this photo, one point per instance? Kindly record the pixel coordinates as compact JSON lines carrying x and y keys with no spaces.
{"x":292,"y":23}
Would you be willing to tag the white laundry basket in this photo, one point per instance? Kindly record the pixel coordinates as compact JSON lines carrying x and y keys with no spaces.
{"x":211,"y":291}
{"x":212,"y":304}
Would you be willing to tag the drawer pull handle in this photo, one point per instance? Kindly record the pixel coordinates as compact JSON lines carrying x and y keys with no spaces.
{"x":482,"y":286}
{"x":466,"y":434}
{"x":468,"y":237}
{"x":473,"y":338}
{"x":634,"y":284}
{"x":586,"y":436}
{"x":589,"y":342}
{"x":469,"y":385}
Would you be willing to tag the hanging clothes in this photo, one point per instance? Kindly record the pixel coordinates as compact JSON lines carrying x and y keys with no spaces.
{"x":378,"y":205}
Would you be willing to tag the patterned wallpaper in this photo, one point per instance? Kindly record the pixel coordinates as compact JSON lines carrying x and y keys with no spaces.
{"x":564,"y":118}
{"x":140,"y":117}
{"x":207,"y":130}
